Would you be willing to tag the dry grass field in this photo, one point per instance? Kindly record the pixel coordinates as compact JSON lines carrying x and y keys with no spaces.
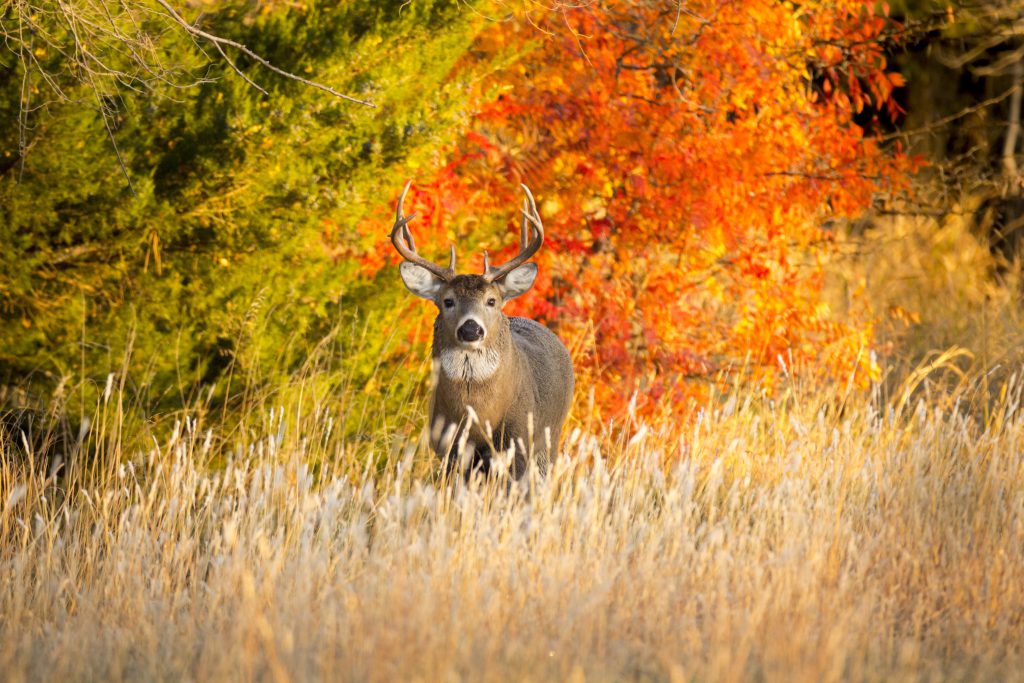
{"x":819,"y":536}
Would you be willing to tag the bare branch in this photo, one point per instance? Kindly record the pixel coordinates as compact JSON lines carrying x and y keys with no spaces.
{"x":236,"y":69}
{"x":219,"y":42}
{"x":940,"y":123}
{"x":1013,"y":129}
{"x":90,"y":51}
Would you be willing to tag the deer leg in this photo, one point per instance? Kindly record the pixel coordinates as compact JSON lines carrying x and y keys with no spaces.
{"x":480,"y":462}
{"x":520,"y":458}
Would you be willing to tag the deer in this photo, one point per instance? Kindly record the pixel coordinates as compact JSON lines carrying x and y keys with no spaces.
{"x":502,"y":385}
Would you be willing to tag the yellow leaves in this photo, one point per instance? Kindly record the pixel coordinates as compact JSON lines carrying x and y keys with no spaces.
{"x":743,"y":328}
{"x":550,"y":207}
{"x":740,"y":97}
{"x":595,"y":207}
{"x":903,"y":315}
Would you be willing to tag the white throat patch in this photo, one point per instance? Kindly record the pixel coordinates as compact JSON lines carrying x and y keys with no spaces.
{"x":467,"y":365}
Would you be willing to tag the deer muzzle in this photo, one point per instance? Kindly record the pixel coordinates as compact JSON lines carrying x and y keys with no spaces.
{"x":470,"y":331}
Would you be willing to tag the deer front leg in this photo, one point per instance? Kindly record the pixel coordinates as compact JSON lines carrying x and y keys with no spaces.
{"x":529,"y":444}
{"x":445,"y":441}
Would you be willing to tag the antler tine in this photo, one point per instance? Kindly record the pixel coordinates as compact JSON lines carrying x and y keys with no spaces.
{"x":407,"y":236}
{"x":531,"y":220}
{"x":401,"y":200}
{"x":523,"y":237}
{"x":534,"y":215}
{"x":401,"y":238}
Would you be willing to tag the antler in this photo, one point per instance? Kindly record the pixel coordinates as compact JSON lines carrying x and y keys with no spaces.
{"x":401,"y":237}
{"x":531,"y":220}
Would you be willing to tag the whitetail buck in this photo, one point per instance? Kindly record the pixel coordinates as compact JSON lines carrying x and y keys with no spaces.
{"x":501,"y":383}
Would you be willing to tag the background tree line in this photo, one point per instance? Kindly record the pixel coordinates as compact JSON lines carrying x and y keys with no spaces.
{"x":166,"y":193}
{"x":175,"y":209}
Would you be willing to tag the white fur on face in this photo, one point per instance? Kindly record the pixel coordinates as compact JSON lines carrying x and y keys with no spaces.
{"x":467,"y":365}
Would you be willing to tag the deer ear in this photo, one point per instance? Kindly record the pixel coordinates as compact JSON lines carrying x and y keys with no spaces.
{"x":420,"y":281}
{"x":518,"y":281}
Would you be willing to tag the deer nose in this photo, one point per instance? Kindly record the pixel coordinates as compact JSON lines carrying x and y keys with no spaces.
{"x":470,"y":331}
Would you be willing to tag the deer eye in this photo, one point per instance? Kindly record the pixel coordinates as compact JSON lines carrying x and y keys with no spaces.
{"x":491,"y":302}
{"x":449,"y":303}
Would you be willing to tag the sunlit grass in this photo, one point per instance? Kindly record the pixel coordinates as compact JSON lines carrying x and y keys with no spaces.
{"x":777,"y":540}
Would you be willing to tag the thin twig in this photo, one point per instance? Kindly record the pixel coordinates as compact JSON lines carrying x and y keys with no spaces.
{"x":237,"y":70}
{"x":1013,"y":129}
{"x":966,"y":111}
{"x":81,"y":54}
{"x":219,"y":42}
{"x":23,"y":106}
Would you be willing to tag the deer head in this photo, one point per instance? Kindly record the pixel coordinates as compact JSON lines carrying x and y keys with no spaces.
{"x":469,"y":305}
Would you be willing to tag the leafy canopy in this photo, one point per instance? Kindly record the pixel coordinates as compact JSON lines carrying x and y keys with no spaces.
{"x":689,"y":159}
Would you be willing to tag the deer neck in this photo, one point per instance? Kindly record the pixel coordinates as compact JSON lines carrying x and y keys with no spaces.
{"x":482,"y":379}
{"x":485,"y":365}
{"x":488,"y":364}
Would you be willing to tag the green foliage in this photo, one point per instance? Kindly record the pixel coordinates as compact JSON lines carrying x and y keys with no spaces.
{"x":223,"y":262}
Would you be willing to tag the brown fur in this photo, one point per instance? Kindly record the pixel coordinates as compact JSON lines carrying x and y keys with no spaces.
{"x":533,"y":378}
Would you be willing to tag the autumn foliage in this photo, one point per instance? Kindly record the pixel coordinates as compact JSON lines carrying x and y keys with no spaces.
{"x":688,"y":159}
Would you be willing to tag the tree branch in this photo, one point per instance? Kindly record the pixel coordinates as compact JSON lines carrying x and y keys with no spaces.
{"x":220,"y":42}
{"x":1013,"y":129}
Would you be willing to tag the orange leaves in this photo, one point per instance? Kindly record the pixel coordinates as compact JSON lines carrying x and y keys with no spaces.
{"x":684,"y":168}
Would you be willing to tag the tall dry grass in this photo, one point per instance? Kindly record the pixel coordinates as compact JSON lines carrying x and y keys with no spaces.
{"x":819,"y":536}
{"x":769,"y":541}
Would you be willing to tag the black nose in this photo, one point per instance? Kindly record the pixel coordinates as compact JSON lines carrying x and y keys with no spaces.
{"x":470,"y":331}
